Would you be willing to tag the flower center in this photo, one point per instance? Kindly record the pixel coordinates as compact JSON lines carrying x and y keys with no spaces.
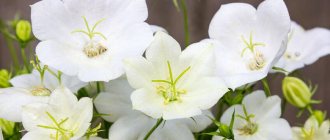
{"x":168,"y":89}
{"x":92,"y":48}
{"x":250,"y":128}
{"x":292,"y":56}
{"x":40,"y":91}
{"x":308,"y":134}
{"x":258,"y":60}
{"x":60,"y":132}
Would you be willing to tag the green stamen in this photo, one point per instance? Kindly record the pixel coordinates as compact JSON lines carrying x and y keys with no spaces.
{"x":170,"y":92}
{"x":250,"y":45}
{"x":251,"y":127}
{"x":90,"y":31}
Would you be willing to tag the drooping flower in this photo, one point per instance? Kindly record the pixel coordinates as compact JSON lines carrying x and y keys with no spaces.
{"x":130,"y":124}
{"x":312,"y":130}
{"x":304,"y":47}
{"x":89,"y":38}
{"x":258,"y":118}
{"x":248,"y":41}
{"x":62,"y":118}
{"x":29,"y":88}
{"x":171,"y":84}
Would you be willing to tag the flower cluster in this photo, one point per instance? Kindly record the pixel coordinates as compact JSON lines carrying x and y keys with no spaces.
{"x":101,"y":72}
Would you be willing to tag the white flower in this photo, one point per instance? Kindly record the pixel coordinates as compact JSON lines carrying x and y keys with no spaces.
{"x":171,"y":84}
{"x":258,"y":118}
{"x":28,"y":88}
{"x":304,"y":47}
{"x":156,"y":28}
{"x":312,"y":130}
{"x":89,"y":38}
{"x":130,"y":124}
{"x":62,"y":118}
{"x":248,"y":41}
{"x":92,"y":138}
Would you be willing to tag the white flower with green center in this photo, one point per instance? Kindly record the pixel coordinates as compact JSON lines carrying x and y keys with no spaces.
{"x":304,"y":47}
{"x":174,"y":84}
{"x":130,"y":124}
{"x":29,"y":88}
{"x":62,"y":118}
{"x":258,"y":118}
{"x":90,"y":38}
{"x":312,"y":130}
{"x":248,"y":41}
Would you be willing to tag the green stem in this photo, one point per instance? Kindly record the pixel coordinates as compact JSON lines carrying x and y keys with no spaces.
{"x":185,"y":20}
{"x":98,"y":87}
{"x":220,"y":105}
{"x":25,"y":61}
{"x":12,"y":52}
{"x":159,"y":121}
{"x":266,"y":86}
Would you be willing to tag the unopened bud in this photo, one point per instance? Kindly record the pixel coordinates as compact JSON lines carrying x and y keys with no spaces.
{"x":23,"y":30}
{"x":319,"y":116}
{"x":296,"y":92}
{"x":4,"y":78}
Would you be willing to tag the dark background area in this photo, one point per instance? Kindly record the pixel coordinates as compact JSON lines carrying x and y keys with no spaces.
{"x":308,"y":13}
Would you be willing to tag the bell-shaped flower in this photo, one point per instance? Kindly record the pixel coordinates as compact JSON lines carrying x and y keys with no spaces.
{"x":90,"y":38}
{"x":171,"y":84}
{"x":257,"y":118}
{"x":62,"y":118}
{"x":248,"y":41}
{"x":304,"y":47}
{"x":129,"y":124}
{"x":30,"y":88}
{"x":312,"y":130}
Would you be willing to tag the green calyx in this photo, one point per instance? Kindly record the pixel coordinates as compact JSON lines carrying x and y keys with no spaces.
{"x":250,"y":45}
{"x":61,"y":133}
{"x":7,"y":126}
{"x":168,"y":88}
{"x":4,"y":78}
{"x":23,"y":30}
{"x":296,"y":92}
{"x":250,"y":128}
{"x":90,"y":32}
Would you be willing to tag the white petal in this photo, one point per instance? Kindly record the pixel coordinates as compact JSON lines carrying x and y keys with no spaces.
{"x":171,"y":131}
{"x":63,"y":99}
{"x":129,"y":127}
{"x":12,"y":100}
{"x":52,"y":20}
{"x":254,"y":100}
{"x":275,"y":129}
{"x":26,"y":80}
{"x":36,"y":136}
{"x":162,"y":49}
{"x":217,"y":138}
{"x":204,"y":93}
{"x":227,"y":116}
{"x":271,"y":108}
{"x":156,"y":28}
{"x":115,"y":104}
{"x":148,"y":102}
{"x":92,"y":138}
{"x":139,"y":72}
{"x":198,"y":123}
{"x":1,"y":136}
{"x":33,"y":115}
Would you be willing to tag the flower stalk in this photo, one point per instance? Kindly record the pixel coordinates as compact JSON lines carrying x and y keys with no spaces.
{"x":159,"y":121}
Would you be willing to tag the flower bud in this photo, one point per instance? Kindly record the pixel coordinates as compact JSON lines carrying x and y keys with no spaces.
{"x":4,"y":78}
{"x":7,"y":127}
{"x":23,"y":30}
{"x":319,"y":115}
{"x":296,"y":92}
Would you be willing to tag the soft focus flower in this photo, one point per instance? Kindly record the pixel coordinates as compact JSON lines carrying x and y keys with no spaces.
{"x":1,"y":136}
{"x":29,"y":88}
{"x":304,"y":47}
{"x":23,"y":30}
{"x":62,"y":118}
{"x":174,"y":84}
{"x":296,"y":92}
{"x":258,"y":118}
{"x":130,"y":124}
{"x":312,"y":130}
{"x":4,"y":78}
{"x":248,"y":41}
{"x":89,"y":38}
